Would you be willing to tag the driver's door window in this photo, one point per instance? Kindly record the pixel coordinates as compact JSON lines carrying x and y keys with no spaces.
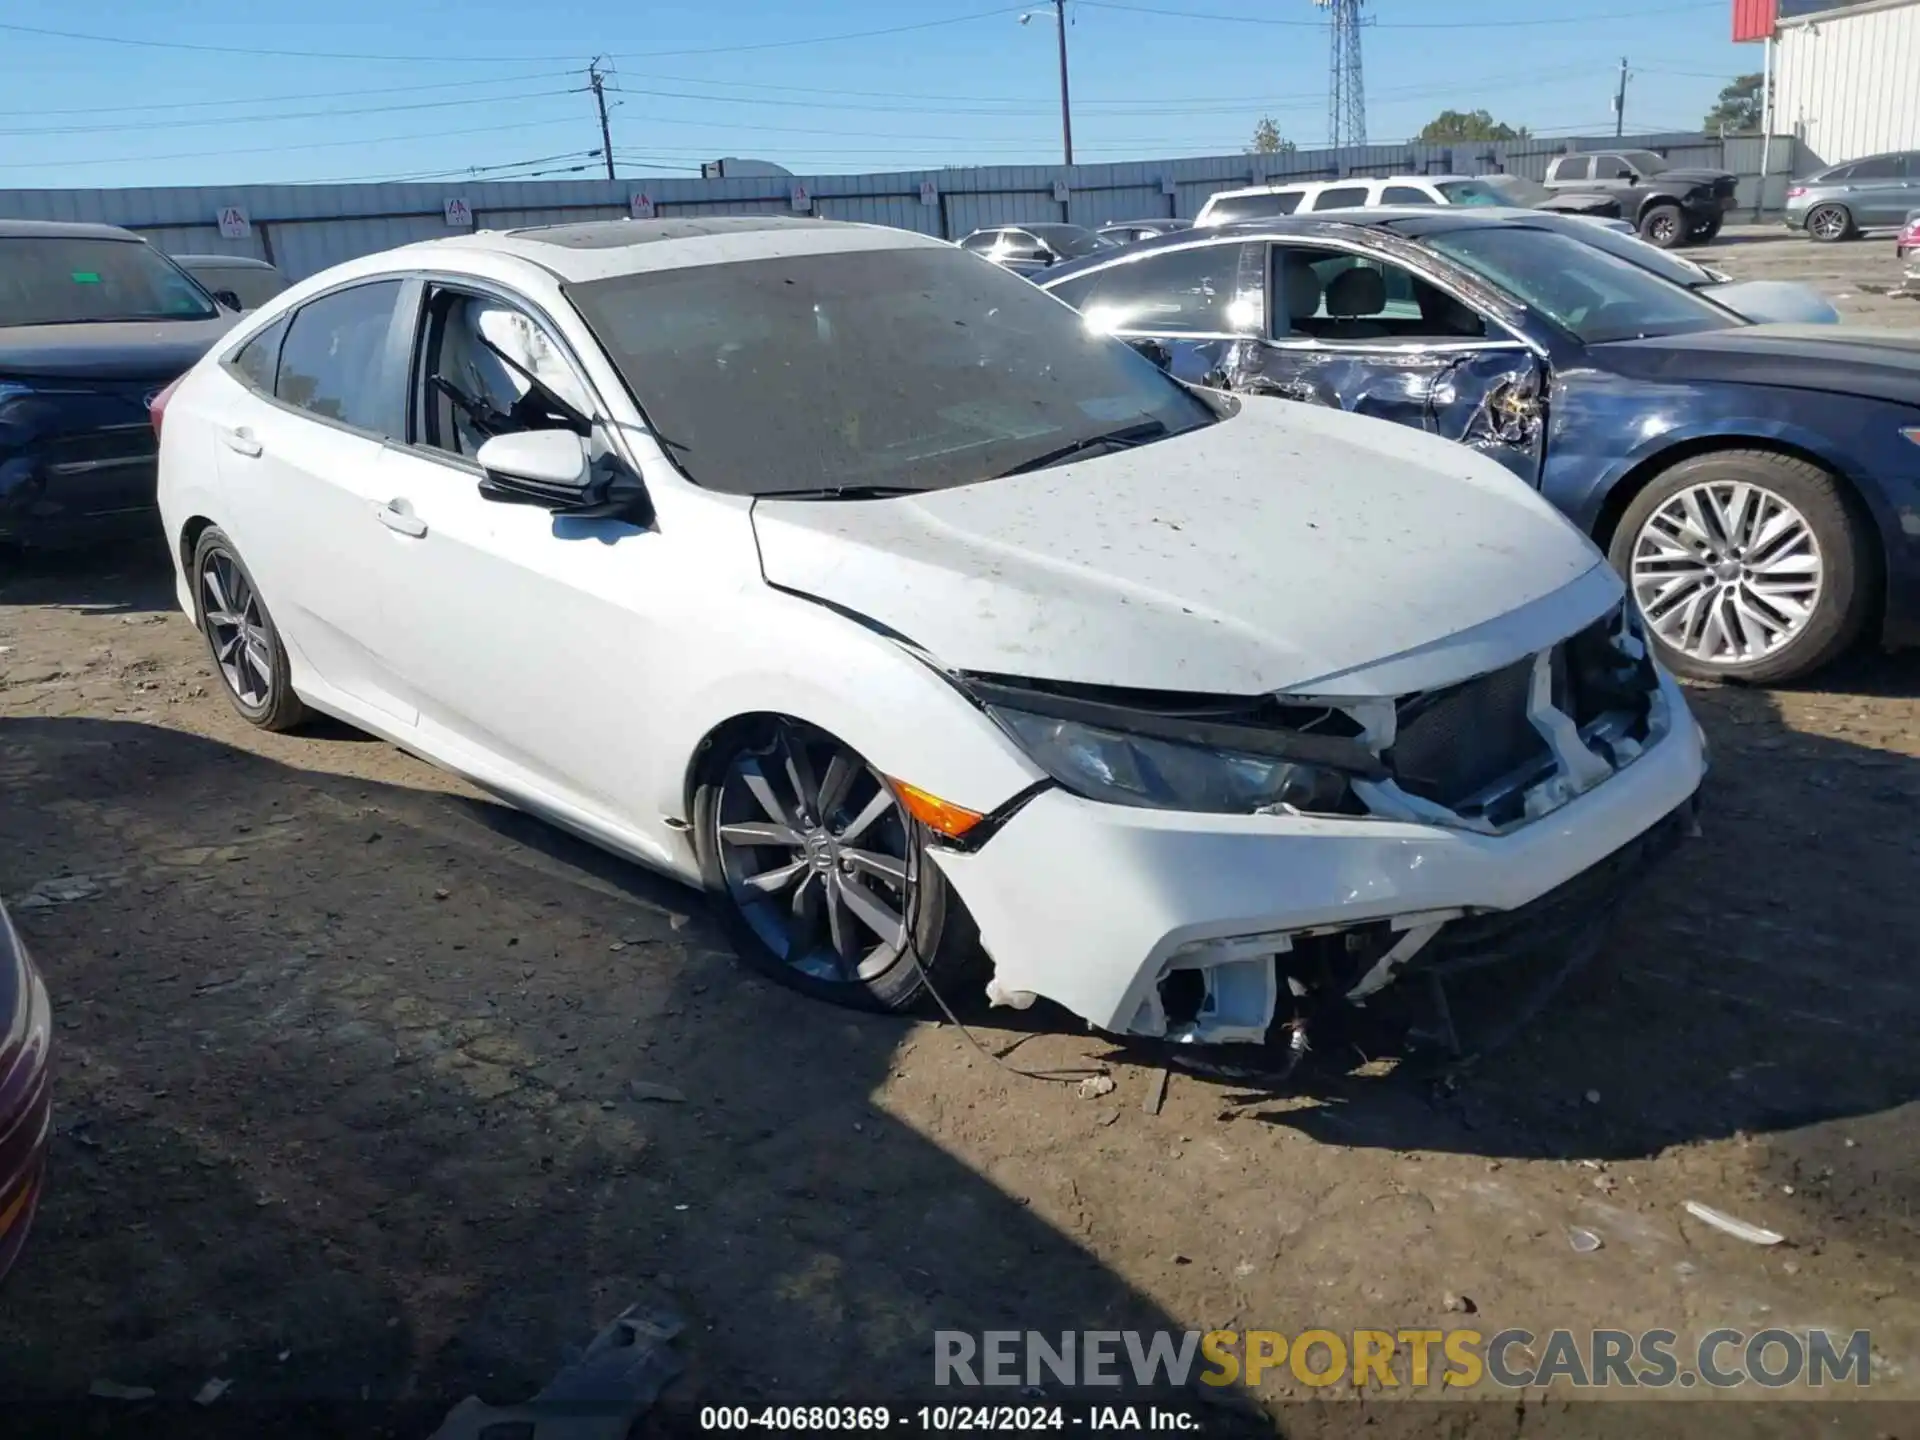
{"x":490,"y":369}
{"x":1612,"y":170}
{"x":1337,"y":296}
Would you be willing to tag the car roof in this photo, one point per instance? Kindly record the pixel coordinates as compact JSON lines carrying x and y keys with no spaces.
{"x":64,"y":230}
{"x":236,"y":262}
{"x":1281,"y":186}
{"x":601,"y":249}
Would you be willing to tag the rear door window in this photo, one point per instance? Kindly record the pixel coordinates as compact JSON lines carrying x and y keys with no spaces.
{"x":1254,"y":207}
{"x":257,"y":362}
{"x":1574,"y":167}
{"x":1405,"y":195}
{"x":333,"y":363}
{"x":1880,"y":167}
{"x":1340,"y":197}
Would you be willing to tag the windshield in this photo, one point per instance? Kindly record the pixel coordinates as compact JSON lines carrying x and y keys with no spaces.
{"x":1494,"y":190}
{"x":67,"y":280}
{"x":1636,"y":251}
{"x":910,"y":369}
{"x":1595,"y":296}
{"x":252,"y":285}
{"x":1069,"y":240}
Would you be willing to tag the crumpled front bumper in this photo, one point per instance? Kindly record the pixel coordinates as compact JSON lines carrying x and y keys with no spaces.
{"x":1086,"y":904}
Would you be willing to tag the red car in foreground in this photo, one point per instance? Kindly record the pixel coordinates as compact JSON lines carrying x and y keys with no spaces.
{"x":1907,"y":247}
{"x":25,"y":1104}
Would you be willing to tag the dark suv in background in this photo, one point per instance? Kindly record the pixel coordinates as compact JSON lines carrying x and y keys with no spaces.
{"x":94,"y":323}
{"x":1668,"y":205}
{"x":1876,"y":192}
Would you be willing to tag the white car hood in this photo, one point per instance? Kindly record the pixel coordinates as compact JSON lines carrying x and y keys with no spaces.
{"x":1289,"y":547}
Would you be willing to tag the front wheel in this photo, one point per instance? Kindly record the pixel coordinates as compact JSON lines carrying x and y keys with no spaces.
{"x":1705,"y":234}
{"x":1746,"y":565}
{"x":1663,"y":225}
{"x":821,"y":876}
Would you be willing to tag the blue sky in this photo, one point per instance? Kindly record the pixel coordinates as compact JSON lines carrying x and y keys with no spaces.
{"x":376,"y":89}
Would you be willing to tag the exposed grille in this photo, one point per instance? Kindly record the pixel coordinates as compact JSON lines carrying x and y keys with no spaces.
{"x":107,"y":448}
{"x":1454,"y":743}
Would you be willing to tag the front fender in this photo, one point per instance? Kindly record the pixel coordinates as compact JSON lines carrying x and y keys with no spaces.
{"x":857,"y":683}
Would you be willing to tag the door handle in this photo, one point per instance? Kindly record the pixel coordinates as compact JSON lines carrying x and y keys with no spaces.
{"x":398,"y":516}
{"x":241,"y":441}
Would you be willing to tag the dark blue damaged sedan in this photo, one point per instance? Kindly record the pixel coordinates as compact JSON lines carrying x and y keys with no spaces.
{"x":1758,"y":485}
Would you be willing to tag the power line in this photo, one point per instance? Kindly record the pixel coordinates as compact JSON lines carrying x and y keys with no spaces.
{"x":275,"y":118}
{"x":278,"y":149}
{"x":521,"y":59}
{"x":1408,"y":24}
{"x":283,"y":99}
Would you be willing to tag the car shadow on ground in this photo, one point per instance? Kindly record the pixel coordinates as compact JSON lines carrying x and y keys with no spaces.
{"x":363,"y":1099}
{"x":124,"y":577}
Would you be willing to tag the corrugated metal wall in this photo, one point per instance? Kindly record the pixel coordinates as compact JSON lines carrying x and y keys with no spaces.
{"x":306,"y":228}
{"x":1849,"y":85}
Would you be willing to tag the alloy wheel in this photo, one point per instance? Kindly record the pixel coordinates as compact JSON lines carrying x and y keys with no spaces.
{"x":238,"y":629}
{"x":1726,"y":573}
{"x":1665,"y":230}
{"x":1827,"y":223}
{"x":817,"y":855}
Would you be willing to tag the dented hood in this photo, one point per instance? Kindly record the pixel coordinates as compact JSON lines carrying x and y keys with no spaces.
{"x":1287,"y":547}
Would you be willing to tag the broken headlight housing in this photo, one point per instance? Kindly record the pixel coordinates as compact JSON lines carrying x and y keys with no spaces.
{"x":1102,"y":763}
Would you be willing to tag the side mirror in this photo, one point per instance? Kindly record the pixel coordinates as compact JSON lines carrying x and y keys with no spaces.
{"x":553,"y":470}
{"x":229,"y":298}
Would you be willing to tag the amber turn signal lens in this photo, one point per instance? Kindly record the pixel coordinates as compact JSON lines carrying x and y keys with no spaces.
{"x":941,"y":816}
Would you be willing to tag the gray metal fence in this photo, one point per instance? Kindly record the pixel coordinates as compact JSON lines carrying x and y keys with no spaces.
{"x":306,"y":228}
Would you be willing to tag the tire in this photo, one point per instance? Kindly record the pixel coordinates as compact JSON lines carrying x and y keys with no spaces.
{"x":1663,"y":225}
{"x":834,"y":952}
{"x":1706,"y":234}
{"x":246,"y":649}
{"x":1824,"y":568}
{"x":1830,"y":223}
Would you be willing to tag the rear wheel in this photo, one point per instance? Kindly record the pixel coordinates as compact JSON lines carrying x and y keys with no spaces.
{"x":246,"y":648}
{"x":821,"y":876}
{"x":1663,"y":225}
{"x":1746,"y":565}
{"x":1828,"y":223}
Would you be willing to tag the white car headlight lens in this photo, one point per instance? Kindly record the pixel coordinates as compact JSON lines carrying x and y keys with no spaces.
{"x":1123,"y":769}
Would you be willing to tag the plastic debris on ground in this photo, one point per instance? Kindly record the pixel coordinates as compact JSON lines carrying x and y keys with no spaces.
{"x":1739,"y":1229}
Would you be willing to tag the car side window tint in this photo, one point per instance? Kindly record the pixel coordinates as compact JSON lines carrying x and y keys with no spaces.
{"x":1336,"y":296}
{"x":1340,"y":197}
{"x":1254,"y":207}
{"x":1190,"y":291}
{"x":330,"y":364}
{"x":1577,"y":167}
{"x":258,"y":361}
{"x":1880,"y":167}
{"x":981,"y":243}
{"x":490,"y":369}
{"x":1405,"y":195}
{"x":1611,"y":167}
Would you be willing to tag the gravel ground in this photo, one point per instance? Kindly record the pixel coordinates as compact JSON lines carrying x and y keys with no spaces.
{"x":348,"y":1053}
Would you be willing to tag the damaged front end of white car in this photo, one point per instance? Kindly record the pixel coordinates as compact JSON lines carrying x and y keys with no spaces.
{"x":1479,"y":760}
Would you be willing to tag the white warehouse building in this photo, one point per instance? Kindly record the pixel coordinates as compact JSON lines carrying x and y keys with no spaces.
{"x":1845,"y":78}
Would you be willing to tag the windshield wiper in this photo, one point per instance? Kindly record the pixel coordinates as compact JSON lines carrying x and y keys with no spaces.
{"x":841,"y":492}
{"x":1125,"y":439}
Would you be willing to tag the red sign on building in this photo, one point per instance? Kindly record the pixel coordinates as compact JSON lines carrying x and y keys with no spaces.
{"x":1754,"y":19}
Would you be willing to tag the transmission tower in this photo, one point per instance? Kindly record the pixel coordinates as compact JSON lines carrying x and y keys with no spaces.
{"x":1346,"y":83}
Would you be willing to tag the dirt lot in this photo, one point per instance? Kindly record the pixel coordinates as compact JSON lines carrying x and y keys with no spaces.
{"x":347,"y":1051}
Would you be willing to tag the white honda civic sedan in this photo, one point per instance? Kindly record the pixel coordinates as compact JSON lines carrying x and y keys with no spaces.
{"x":841,"y":573}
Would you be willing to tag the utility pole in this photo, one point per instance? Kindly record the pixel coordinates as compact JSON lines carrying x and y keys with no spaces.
{"x":1066,"y":110}
{"x":597,"y":82}
{"x":1620,"y":102}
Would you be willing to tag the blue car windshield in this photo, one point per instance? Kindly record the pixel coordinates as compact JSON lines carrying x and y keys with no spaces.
{"x":1592,"y":295}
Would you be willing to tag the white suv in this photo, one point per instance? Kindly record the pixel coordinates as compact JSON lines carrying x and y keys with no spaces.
{"x":1261,"y":202}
